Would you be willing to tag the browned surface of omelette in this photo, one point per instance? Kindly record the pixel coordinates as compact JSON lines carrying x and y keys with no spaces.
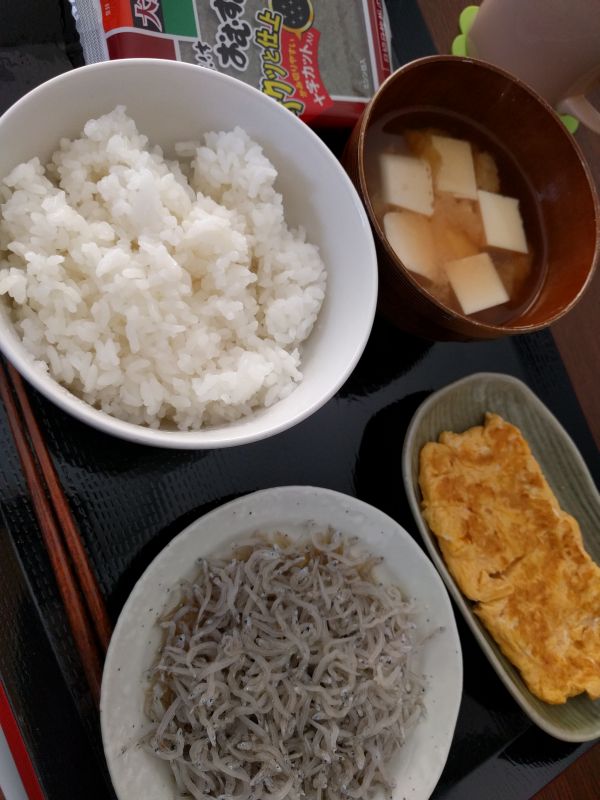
{"x":517,"y":555}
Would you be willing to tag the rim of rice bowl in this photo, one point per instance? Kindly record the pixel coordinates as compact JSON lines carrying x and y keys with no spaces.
{"x":340,"y":233}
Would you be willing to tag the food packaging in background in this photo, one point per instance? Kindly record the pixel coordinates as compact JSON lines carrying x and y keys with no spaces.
{"x":321,"y":59}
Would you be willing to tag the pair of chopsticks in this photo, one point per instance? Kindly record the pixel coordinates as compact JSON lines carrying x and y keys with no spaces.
{"x":78,"y":587}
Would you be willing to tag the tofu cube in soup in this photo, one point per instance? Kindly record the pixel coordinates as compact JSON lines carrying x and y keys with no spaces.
{"x":476,"y":283}
{"x":456,"y":171}
{"x":406,"y":182}
{"x":411,"y":237}
{"x":502,"y":222}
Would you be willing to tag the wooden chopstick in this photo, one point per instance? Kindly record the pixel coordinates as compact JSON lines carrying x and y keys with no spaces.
{"x":81,"y":628}
{"x":87,"y":579}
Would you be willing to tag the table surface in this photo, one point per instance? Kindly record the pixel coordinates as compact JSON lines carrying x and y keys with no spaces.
{"x":579,"y":344}
{"x":577,"y":337}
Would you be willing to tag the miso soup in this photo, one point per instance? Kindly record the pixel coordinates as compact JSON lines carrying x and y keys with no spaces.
{"x":458,"y":213}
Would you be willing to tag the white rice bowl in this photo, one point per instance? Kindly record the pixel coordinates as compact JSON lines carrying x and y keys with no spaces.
{"x":159,"y":291}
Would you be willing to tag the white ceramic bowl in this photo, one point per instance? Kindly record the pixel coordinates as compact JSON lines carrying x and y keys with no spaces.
{"x":293,"y":509}
{"x":172,"y":101}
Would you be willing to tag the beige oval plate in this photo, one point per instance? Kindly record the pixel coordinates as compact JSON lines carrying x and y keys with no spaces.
{"x":460,"y":406}
{"x":295,"y":510}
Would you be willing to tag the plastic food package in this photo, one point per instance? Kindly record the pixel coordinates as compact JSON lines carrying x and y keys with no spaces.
{"x":321,"y":59}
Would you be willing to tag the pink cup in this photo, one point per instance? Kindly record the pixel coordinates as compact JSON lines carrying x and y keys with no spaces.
{"x":552,"y":45}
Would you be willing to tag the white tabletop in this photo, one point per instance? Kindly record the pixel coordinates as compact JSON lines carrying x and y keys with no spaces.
{"x":10,"y":782}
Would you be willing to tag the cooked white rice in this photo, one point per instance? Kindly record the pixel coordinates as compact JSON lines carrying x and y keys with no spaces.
{"x":159,"y":291}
